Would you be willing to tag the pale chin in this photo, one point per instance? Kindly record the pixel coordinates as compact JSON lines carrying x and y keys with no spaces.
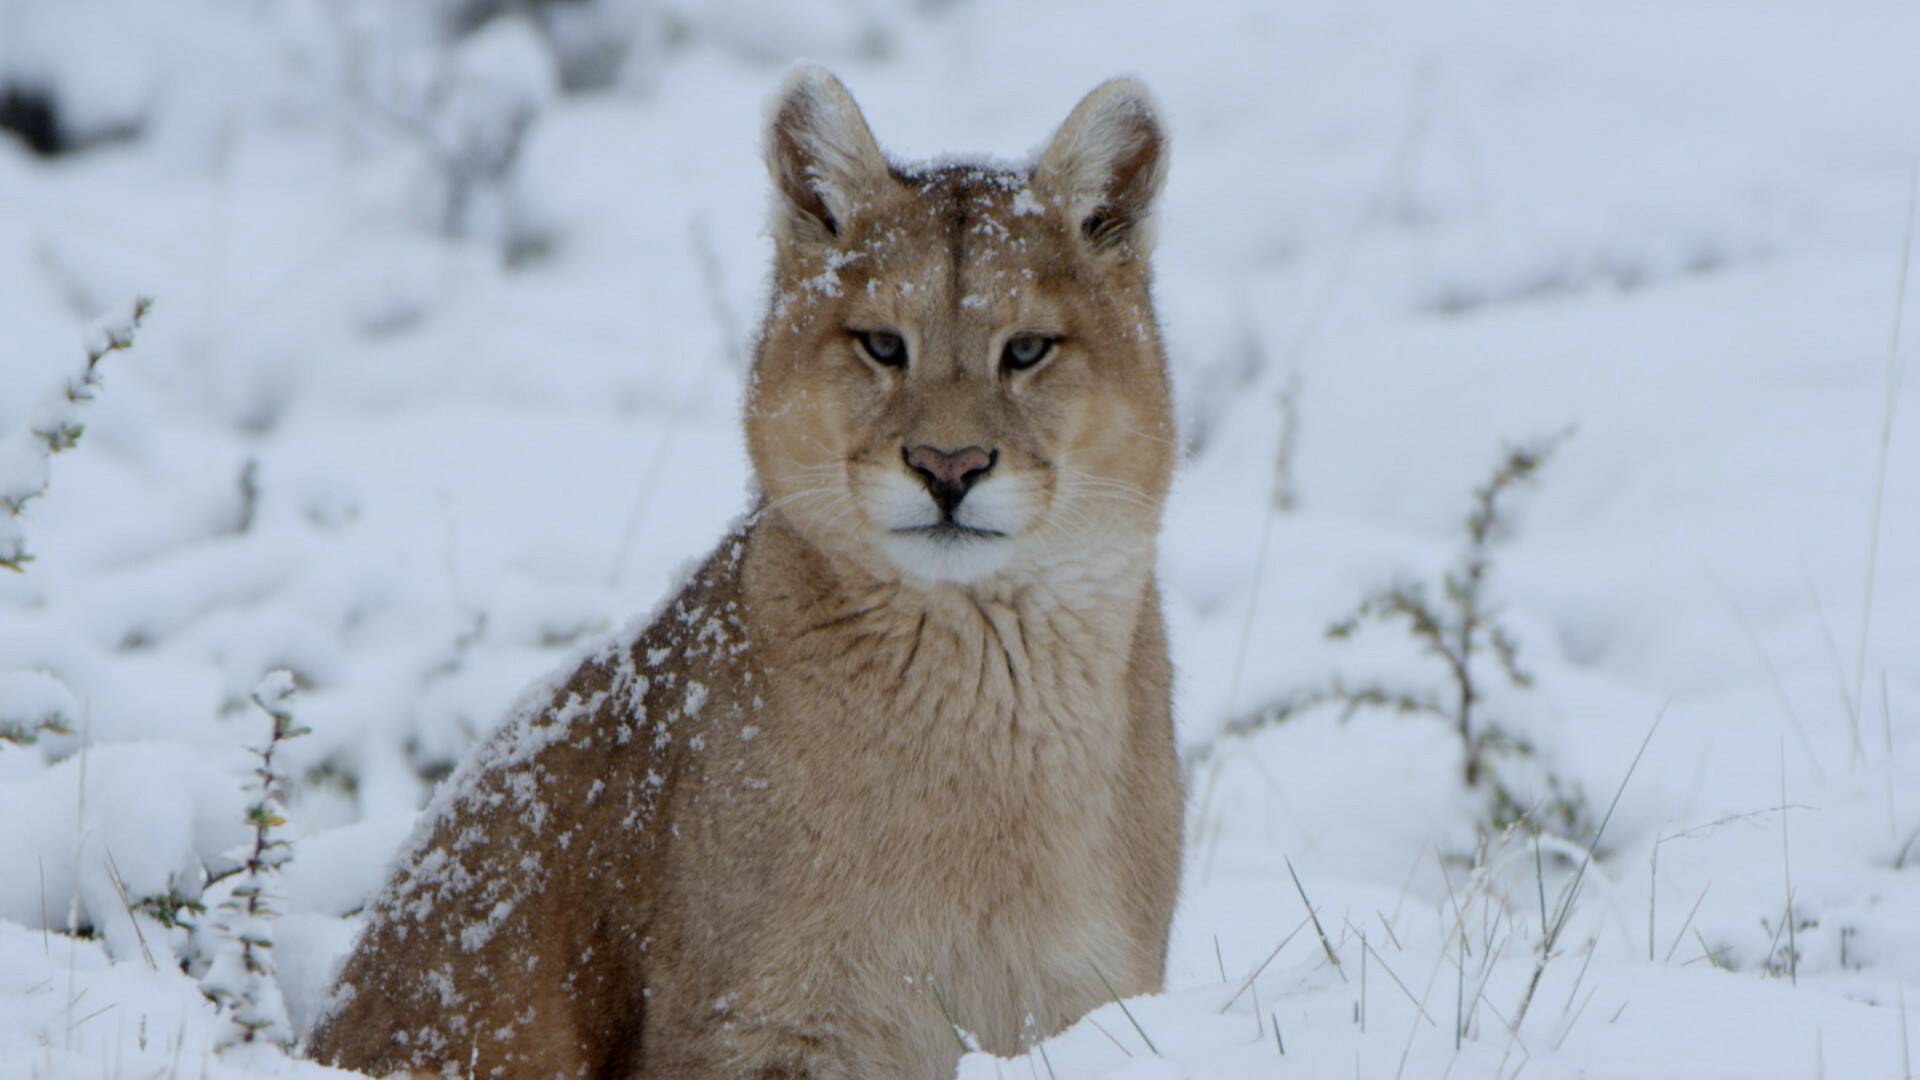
{"x":959,"y":560}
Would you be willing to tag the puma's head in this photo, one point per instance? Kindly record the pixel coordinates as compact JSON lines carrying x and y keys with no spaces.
{"x":960,"y":376}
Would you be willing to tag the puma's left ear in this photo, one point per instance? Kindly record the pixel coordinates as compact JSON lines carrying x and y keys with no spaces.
{"x":1106,"y":165}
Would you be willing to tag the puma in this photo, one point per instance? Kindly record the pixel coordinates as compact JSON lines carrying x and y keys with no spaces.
{"x":898,"y":759}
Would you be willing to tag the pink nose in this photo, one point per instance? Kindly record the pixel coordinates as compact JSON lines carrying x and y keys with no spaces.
{"x":949,"y":473}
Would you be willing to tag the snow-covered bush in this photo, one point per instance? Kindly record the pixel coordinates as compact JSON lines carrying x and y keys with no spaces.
{"x":467,"y":111}
{"x":35,"y":703}
{"x":53,"y":425}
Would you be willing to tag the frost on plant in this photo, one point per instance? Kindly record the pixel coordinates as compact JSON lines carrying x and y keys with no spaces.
{"x":52,"y":426}
{"x":34,"y":703}
{"x":1457,"y":624}
{"x":240,"y":979}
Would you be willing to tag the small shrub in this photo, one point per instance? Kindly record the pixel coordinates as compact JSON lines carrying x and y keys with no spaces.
{"x":240,"y":978}
{"x":1457,"y":624}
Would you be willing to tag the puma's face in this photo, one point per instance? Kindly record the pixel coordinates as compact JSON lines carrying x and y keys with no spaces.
{"x":961,"y":375}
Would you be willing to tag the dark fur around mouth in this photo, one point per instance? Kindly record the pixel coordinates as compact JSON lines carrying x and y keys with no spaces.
{"x":951,"y":532}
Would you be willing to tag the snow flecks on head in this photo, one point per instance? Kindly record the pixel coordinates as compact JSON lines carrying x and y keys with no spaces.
{"x":827,"y":281}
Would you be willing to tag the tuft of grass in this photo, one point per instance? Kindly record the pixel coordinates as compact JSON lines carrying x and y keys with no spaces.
{"x":1564,"y":909}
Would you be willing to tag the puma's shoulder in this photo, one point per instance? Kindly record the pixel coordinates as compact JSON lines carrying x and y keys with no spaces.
{"x":569,"y":799}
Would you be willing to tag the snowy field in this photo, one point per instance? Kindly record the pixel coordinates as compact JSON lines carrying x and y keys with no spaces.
{"x":441,"y":383}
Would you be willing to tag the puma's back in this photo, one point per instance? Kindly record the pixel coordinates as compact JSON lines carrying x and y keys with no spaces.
{"x":899,"y":756}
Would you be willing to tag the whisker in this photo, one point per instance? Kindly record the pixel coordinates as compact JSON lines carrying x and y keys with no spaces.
{"x":796,"y":496}
{"x":1120,"y":495}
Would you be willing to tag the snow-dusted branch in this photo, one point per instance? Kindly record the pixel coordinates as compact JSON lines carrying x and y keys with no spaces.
{"x":35,"y":703}
{"x":241,"y":978}
{"x":53,"y":426}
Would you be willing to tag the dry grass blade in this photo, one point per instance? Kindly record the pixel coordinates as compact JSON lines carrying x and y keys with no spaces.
{"x":1540,"y":877}
{"x":1367,"y":947}
{"x":126,"y":904}
{"x":1906,"y":1049}
{"x":1573,"y":887}
{"x":1045,"y":1060}
{"x":1573,"y":991}
{"x":1786,"y":869}
{"x":1683,"y":926}
{"x":951,"y":1026}
{"x":1301,"y":925}
{"x":1128,"y":1013}
{"x":1856,"y":751}
{"x":1706,"y":953}
{"x":1895,"y":370}
{"x":1886,"y":735}
{"x":1315,"y":917}
{"x":1391,"y":936}
{"x":1578,"y":1013}
{"x":1773,"y":679}
{"x":1116,"y":1042}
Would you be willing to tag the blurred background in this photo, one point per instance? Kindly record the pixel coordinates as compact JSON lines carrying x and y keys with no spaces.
{"x":453,"y":301}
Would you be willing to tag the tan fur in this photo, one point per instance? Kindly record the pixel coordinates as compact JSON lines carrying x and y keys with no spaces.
{"x":829,"y":790}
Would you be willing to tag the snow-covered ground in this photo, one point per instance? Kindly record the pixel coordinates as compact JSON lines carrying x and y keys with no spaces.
{"x":441,"y":382}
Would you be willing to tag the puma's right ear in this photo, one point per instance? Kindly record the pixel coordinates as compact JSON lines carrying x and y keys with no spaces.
{"x":823,"y":159}
{"x":1107,"y":163}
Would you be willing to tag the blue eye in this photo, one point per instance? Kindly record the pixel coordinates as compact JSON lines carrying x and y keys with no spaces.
{"x":1025,"y":351}
{"x":883,"y":348}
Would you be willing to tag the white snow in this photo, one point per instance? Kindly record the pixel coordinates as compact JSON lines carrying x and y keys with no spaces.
{"x":437,"y":391}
